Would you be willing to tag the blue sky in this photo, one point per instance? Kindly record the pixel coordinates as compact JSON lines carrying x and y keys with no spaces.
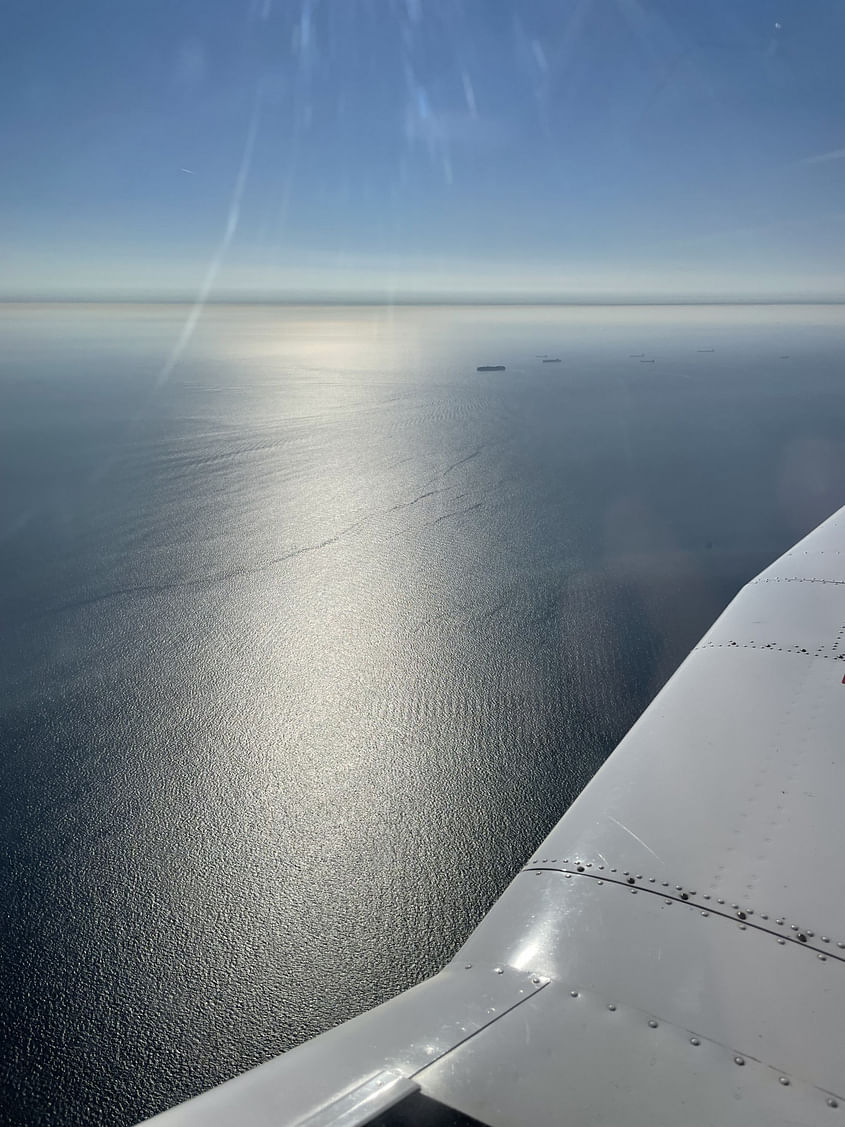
{"x":556,"y":149}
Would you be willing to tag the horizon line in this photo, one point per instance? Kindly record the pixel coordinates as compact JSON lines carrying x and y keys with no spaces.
{"x":373,"y":301}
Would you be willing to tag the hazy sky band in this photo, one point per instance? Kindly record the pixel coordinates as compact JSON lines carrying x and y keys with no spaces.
{"x":594,"y":149}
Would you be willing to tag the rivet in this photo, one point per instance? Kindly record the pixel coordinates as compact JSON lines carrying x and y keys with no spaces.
{"x":467,"y":966}
{"x":633,"y":891}
{"x":568,"y":876}
{"x":831,"y":1102}
{"x":538,"y":873}
{"x":611,"y":1006}
{"x":573,"y":993}
{"x":500,"y":970}
{"x":652,"y":1024}
{"x":782,"y":942}
{"x":811,"y":933}
{"x":705,"y":913}
{"x":763,"y":916}
{"x":685,"y":896}
{"x":678,"y":887}
{"x":706,"y":896}
{"x":794,"y":927}
{"x":580,"y":868}
{"x":651,"y":880}
{"x":665,"y":883}
{"x":599,"y":882}
{"x":694,"y":1041}
{"x":741,"y":927}
{"x":779,"y":922}
{"x":784,"y":1080}
{"x":802,"y":936}
{"x":741,"y":915}
{"x":840,"y":944}
{"x":739,"y":1060}
{"x":719,"y":900}
{"x":630,"y":880}
{"x":669,"y":902}
{"x":825,"y":939}
{"x":626,"y":873}
{"x":822,"y":958}
{"x":639,"y":876}
{"x":535,"y":979}
{"x":613,"y":870}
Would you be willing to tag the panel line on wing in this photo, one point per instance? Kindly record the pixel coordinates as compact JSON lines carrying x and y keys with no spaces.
{"x":800,"y":937}
{"x":565,"y":1004}
{"x":794,"y":579}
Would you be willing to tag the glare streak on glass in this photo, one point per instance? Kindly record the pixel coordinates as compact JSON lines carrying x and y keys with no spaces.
{"x":219,"y":255}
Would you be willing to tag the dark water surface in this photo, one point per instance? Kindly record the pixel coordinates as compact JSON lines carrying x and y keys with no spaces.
{"x":307,"y":645}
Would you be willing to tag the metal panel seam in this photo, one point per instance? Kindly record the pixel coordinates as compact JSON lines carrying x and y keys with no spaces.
{"x":652,"y":1020}
{"x":799,"y":937}
{"x":540,"y":983}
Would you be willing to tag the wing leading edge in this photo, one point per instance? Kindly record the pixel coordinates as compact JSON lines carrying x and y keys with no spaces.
{"x":674,"y":952}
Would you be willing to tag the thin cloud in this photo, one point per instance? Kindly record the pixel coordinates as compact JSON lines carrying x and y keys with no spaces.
{"x":823,"y":158}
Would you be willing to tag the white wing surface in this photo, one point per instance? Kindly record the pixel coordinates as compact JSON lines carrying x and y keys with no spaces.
{"x":674,"y":953}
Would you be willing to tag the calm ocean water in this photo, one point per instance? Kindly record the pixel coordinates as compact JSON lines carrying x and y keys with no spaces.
{"x":306,"y":646}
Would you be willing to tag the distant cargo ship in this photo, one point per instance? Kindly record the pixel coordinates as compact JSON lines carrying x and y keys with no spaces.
{"x":490,"y":368}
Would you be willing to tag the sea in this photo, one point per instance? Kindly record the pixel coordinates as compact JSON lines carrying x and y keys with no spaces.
{"x":310,"y":631}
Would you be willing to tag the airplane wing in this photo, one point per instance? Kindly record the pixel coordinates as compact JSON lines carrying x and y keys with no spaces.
{"x":674,"y":953}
